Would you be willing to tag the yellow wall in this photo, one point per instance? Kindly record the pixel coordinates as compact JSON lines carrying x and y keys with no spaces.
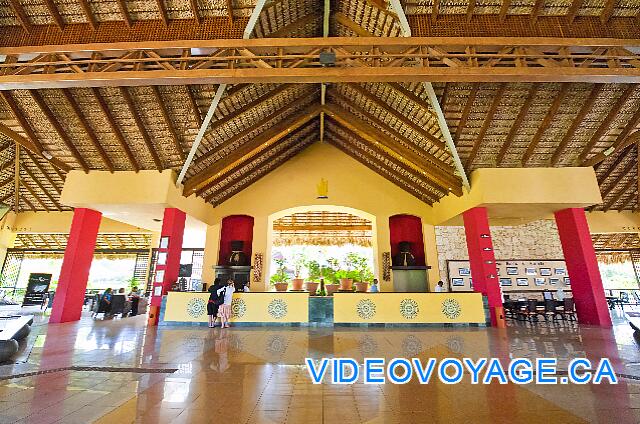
{"x":614,"y":222}
{"x":351,"y":185}
{"x":60,"y":222}
{"x":408,"y":308}
{"x":246,"y":307}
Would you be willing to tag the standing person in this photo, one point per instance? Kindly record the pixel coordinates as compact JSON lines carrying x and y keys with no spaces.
{"x":246,"y":288}
{"x":440,"y":287}
{"x":214,"y":302}
{"x":560,"y":294}
{"x":134,"y":295}
{"x":224,"y":312}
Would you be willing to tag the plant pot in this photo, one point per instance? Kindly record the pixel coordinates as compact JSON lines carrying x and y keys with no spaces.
{"x":281,"y":287}
{"x":297,"y":284}
{"x":331,"y":288}
{"x":362,"y":287}
{"x":346,"y":284}
{"x":312,"y":287}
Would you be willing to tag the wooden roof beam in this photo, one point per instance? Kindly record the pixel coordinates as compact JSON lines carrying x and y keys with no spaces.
{"x":435,"y":10}
{"x":535,"y":11}
{"x":365,"y":131}
{"x":33,"y":194}
{"x":619,"y":194}
{"x":504,"y":9}
{"x":229,"y":6}
{"x":162,"y":10}
{"x":122,"y":5}
{"x":613,"y":184}
{"x":194,"y":105}
{"x":606,"y":121}
{"x":466,"y":111}
{"x":517,"y":123}
{"x":546,"y":122}
{"x":441,"y":167}
{"x":17,"y":9}
{"x":577,"y":122}
{"x":55,"y":15}
{"x":43,"y":172}
{"x":88,"y":13}
{"x":44,"y":108}
{"x":485,"y":126}
{"x":41,"y":187}
{"x":167,"y":120}
{"x":607,"y":11}
{"x":573,"y":10}
{"x":620,"y":144}
{"x":267,"y":138}
{"x":115,"y":129}
{"x":87,"y":129}
{"x":16,"y":180}
{"x":470,"y":9}
{"x":194,"y":9}
{"x":141,"y":128}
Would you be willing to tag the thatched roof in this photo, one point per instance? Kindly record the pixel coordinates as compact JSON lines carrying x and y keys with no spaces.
{"x":389,"y":127}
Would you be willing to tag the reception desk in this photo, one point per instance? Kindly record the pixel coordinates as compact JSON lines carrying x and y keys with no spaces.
{"x":293,"y":308}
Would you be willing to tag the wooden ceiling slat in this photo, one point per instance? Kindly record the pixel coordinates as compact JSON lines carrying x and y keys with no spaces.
{"x":17,"y":9}
{"x":504,"y":9}
{"x":41,"y":187}
{"x":535,"y":11}
{"x":55,"y":15}
{"x":122,"y":6}
{"x":168,"y":122}
{"x":517,"y":123}
{"x":124,"y":92}
{"x":485,"y":125}
{"x":466,"y":111}
{"x":162,"y":10}
{"x":43,"y":172}
{"x":607,"y":11}
{"x":88,"y":13}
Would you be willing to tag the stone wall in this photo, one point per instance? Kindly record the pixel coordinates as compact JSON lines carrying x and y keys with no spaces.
{"x":535,"y":240}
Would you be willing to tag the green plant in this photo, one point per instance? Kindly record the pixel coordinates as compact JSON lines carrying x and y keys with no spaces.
{"x":131,"y":283}
{"x":329,"y":272}
{"x":360,"y":265}
{"x":299,"y":261}
{"x":281,"y":275}
{"x":314,"y":271}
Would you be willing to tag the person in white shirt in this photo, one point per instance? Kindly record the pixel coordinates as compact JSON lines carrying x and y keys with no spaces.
{"x":440,"y":287}
{"x":224,"y":311}
{"x":560,"y":294}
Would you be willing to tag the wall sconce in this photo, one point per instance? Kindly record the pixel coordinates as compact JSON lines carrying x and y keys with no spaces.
{"x":487,"y":249}
{"x":485,"y":236}
{"x":488,"y":262}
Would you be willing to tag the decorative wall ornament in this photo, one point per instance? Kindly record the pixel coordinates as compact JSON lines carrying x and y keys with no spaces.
{"x":451,"y":308}
{"x":277,"y":308}
{"x":323,"y":189}
{"x":386,"y":266}
{"x":257,"y":267}
{"x":366,"y":308}
{"x":238,"y":308}
{"x":411,"y":346}
{"x":367,"y":345}
{"x":196,"y":307}
{"x":409,"y":308}
{"x":276,"y":344}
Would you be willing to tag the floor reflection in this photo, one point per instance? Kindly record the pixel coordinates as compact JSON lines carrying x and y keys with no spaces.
{"x":255,"y":375}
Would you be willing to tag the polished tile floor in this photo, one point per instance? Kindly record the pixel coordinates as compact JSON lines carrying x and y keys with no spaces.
{"x":122,"y":372}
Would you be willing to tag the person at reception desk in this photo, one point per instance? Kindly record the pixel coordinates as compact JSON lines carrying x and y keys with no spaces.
{"x":374,"y":286}
{"x":214,"y":302}
{"x":224,"y":311}
{"x":440,"y":287}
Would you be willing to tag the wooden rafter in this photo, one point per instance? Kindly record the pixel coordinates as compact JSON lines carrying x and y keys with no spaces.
{"x":270,"y":136}
{"x":122,"y":6}
{"x":41,"y":187}
{"x":405,"y":121}
{"x":623,"y":191}
{"x":435,"y":9}
{"x":55,"y":15}
{"x":608,"y":187}
{"x":535,"y":11}
{"x":470,"y":9}
{"x":88,"y":130}
{"x":43,"y":172}
{"x":167,"y":120}
{"x":546,"y":123}
{"x":33,"y":194}
{"x":194,"y":10}
{"x":573,"y":10}
{"x":440,"y":166}
{"x":517,"y":123}
{"x":115,"y":129}
{"x":194,"y":106}
{"x":287,"y":30}
{"x":606,"y":121}
{"x":53,"y":120}
{"x":348,"y":120}
{"x":485,"y":125}
{"x":162,"y":10}
{"x":17,"y":9}
{"x":88,"y":13}
{"x":504,"y":9}
{"x":607,"y":11}
{"x":16,"y":180}
{"x":466,"y":111}
{"x":229,"y":6}
{"x":124,"y":92}
{"x":576,"y":123}
{"x":622,"y":141}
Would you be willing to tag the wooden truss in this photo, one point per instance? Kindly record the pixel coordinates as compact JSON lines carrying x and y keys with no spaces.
{"x":348,"y":59}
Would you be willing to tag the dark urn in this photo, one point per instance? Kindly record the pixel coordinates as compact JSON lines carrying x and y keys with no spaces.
{"x":237,"y":257}
{"x":404,"y":257}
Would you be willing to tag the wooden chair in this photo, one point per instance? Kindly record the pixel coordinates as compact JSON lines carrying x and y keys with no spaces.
{"x":569,"y":310}
{"x":550,"y":310}
{"x":530,"y":312}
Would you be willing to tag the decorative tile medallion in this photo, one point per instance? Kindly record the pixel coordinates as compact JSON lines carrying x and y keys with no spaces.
{"x":451,"y":308}
{"x":409,"y":308}
{"x":366,"y":308}
{"x":238,"y":308}
{"x":277,"y":308}
{"x":196,"y":307}
{"x":411,"y":346}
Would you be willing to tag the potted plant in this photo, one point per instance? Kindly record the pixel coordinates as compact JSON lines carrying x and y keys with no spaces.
{"x":363,"y":274}
{"x":314,"y":276}
{"x":329,"y":274}
{"x":280,"y":280}
{"x":298,"y":263}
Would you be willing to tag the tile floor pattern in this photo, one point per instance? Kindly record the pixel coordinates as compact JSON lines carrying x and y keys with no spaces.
{"x":254,"y":375}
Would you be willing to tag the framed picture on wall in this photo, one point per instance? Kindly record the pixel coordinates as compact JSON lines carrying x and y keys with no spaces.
{"x":162,"y":258}
{"x":560,"y":271}
{"x":545,"y":272}
{"x":164,"y":242}
{"x":539,"y":281}
{"x":506,"y":282}
{"x":530,"y":271}
{"x":554,"y":281}
{"x":457,"y":281}
{"x":522,"y":281}
{"x":160,"y":276}
{"x":464,"y":271}
{"x":471,"y":283}
{"x":512,"y":270}
{"x":567,"y":281}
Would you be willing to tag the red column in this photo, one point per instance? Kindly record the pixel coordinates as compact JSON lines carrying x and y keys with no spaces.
{"x":483,"y":262}
{"x":167,"y":273}
{"x":74,"y":274}
{"x":582,"y":265}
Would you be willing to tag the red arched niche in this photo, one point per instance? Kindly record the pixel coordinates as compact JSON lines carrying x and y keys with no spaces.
{"x":407,"y":228}
{"x":235,"y":227}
